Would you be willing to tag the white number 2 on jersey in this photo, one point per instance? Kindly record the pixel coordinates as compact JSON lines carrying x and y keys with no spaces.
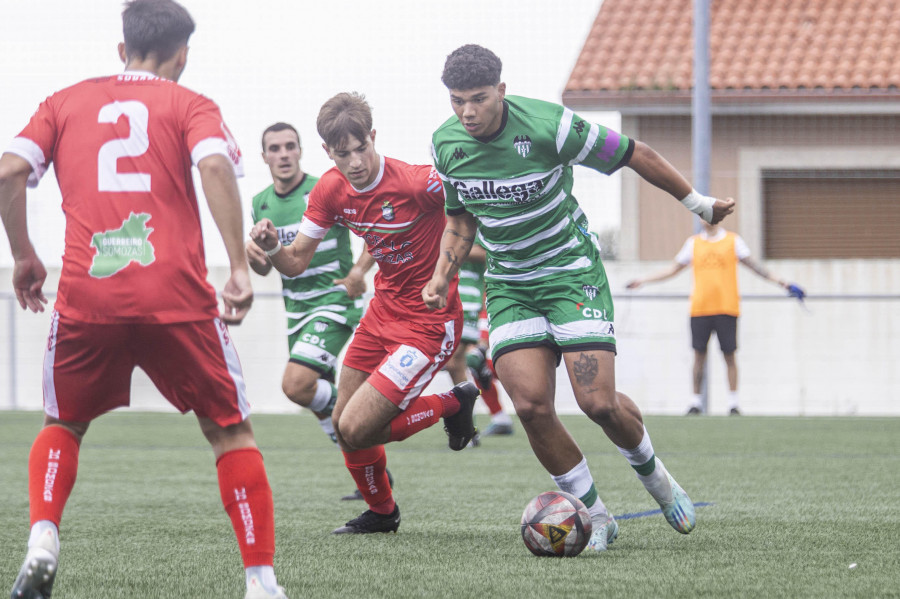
{"x":137,"y":142}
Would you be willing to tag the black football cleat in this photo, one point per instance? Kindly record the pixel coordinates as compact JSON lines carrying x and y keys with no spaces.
{"x":460,"y":427}
{"x":371,"y":522}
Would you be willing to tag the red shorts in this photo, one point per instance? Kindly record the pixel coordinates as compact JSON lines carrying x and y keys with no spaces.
{"x":401,"y":356}
{"x":87,"y":368}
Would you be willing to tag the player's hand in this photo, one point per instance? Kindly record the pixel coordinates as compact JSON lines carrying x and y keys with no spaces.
{"x":354,"y":283}
{"x":255,"y":255}
{"x":29,"y":275}
{"x":435,"y":293}
{"x":264,"y":235}
{"x":634,"y":284}
{"x":721,"y":209}
{"x":237,"y":297}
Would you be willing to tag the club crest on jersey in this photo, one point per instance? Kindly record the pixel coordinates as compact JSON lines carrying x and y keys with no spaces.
{"x":590,"y":291}
{"x":387,"y":211}
{"x":522,"y":144}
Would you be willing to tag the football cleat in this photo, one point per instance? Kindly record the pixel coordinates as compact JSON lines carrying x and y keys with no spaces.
{"x":678,"y":509}
{"x":36,"y":576}
{"x":255,"y":590}
{"x":496,"y":428}
{"x":734,"y":412}
{"x":371,"y":522}
{"x":460,"y":427}
{"x":693,"y":410}
{"x":604,"y":531}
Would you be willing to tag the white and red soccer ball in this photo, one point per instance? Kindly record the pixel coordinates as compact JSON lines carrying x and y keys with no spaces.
{"x":556,"y":524}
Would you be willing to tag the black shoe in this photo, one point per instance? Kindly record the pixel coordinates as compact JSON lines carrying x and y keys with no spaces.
{"x":356,"y":494}
{"x":370,"y":522}
{"x":460,"y":427}
{"x":694,"y":410}
{"x":734,"y":412}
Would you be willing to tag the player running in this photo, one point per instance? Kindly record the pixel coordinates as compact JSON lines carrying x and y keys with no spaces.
{"x":506,"y":163}
{"x":133,"y":290}
{"x":398,"y":209}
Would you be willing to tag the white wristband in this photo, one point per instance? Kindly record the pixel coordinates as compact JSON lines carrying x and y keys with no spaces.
{"x":699,"y":204}
{"x":274,"y":250}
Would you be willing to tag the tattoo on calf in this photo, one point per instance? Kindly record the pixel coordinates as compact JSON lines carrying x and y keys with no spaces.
{"x":585,"y":368}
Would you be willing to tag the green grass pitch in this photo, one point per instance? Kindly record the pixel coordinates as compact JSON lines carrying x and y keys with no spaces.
{"x":792,"y":503}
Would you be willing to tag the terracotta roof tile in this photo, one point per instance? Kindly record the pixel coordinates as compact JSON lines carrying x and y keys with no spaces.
{"x":637,"y":45}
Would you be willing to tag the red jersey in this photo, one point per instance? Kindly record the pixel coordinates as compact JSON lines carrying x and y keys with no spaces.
{"x":123,"y":147}
{"x":401,"y":218}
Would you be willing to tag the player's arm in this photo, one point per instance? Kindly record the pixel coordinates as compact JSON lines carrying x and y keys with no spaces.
{"x":674,"y":269}
{"x":456,"y":242}
{"x":28,"y":272}
{"x":658,"y":171}
{"x":763,"y":272}
{"x":291,"y":260}
{"x":355,"y":281}
{"x":220,"y":188}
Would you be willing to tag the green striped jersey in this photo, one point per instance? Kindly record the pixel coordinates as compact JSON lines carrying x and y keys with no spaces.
{"x":518,"y":185}
{"x":312,"y":293}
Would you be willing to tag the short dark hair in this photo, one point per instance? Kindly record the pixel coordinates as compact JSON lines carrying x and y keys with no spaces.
{"x":342,"y":115}
{"x":279,"y":126}
{"x":471,"y":66}
{"x":159,"y":27}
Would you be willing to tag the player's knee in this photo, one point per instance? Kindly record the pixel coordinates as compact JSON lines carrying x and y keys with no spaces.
{"x":299,"y":389}
{"x":353,"y":436}
{"x":530,"y":411}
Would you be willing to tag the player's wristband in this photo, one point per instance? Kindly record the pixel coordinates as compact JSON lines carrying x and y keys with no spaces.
{"x":699,"y":204}
{"x":274,"y":250}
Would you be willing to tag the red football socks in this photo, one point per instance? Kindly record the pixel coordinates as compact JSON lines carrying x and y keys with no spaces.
{"x":52,"y":467}
{"x":368,"y":467}
{"x":247,"y":498}
{"x":421,"y":413}
{"x":491,"y":399}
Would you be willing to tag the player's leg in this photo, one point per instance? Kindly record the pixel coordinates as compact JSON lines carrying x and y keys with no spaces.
{"x":87,"y":371}
{"x":701,"y":329}
{"x":592,"y":374}
{"x":310,"y":372}
{"x":483,"y":373}
{"x":529,"y":376}
{"x":726,"y":331}
{"x":196,"y":367}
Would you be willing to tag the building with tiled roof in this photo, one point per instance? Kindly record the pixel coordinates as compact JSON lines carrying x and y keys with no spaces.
{"x":806,"y":119}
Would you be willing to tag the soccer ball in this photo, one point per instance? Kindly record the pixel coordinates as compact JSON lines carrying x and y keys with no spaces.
{"x":556,"y":524}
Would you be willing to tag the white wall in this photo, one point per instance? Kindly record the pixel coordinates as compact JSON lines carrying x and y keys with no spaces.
{"x":837,"y":358}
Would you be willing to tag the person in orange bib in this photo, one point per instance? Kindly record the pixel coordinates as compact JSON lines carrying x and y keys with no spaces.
{"x":715,"y":299}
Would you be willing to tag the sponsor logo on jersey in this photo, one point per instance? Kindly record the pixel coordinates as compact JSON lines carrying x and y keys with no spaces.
{"x":522,"y":144}
{"x":458,"y":154}
{"x":387,"y":211}
{"x":288,"y":233}
{"x":320,"y":327}
{"x":403,"y":365}
{"x":579,"y":127}
{"x":590,"y":291}
{"x":519,"y":193}
{"x":349,"y":210}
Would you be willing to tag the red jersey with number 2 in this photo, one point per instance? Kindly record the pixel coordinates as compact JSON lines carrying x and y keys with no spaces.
{"x":401,"y":218}
{"x":122,"y":147}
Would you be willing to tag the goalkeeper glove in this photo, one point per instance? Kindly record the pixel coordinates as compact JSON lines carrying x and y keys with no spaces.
{"x":795,"y":290}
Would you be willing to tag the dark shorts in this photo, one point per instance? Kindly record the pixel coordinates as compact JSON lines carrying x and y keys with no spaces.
{"x":725,"y":327}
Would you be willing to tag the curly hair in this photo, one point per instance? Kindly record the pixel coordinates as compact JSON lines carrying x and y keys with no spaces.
{"x":471,"y":66}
